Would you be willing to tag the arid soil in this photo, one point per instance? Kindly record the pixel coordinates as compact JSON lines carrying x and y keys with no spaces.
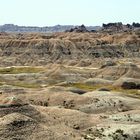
{"x":70,"y":86}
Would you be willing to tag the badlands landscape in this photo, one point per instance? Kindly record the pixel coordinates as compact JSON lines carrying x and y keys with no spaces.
{"x":73,"y":85}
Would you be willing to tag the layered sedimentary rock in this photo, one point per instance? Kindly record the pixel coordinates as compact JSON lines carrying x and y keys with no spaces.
{"x":41,"y":49}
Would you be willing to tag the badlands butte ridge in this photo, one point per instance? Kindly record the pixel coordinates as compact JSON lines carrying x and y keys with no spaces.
{"x":72,"y":85}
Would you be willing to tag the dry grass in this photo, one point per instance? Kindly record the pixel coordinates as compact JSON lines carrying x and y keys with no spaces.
{"x":18,"y":70}
{"x":26,"y":85}
{"x":133,"y":92}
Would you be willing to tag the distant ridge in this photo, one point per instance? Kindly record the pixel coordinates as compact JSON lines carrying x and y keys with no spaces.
{"x":46,"y":29}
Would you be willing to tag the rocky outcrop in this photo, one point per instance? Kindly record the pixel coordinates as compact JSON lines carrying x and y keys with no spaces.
{"x":79,"y":29}
{"x":136,"y":25}
{"x":41,"y":49}
{"x":115,"y":27}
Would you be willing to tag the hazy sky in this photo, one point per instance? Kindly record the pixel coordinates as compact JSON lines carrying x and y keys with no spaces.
{"x":70,"y":12}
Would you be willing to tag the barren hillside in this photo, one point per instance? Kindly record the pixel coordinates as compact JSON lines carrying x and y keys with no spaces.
{"x":70,"y":86}
{"x":42,"y":49}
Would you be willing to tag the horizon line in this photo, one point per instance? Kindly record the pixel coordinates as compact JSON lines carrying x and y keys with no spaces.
{"x":64,"y":24}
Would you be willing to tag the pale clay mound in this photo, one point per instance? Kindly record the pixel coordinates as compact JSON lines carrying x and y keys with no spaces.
{"x":97,"y":114}
{"x":62,"y":111}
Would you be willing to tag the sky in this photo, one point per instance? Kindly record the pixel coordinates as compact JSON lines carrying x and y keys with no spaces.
{"x":68,"y":12}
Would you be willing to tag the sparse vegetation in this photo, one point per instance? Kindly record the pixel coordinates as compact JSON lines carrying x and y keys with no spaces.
{"x":109,"y":87}
{"x":18,"y":70}
{"x":84,"y":86}
{"x":26,"y":85}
